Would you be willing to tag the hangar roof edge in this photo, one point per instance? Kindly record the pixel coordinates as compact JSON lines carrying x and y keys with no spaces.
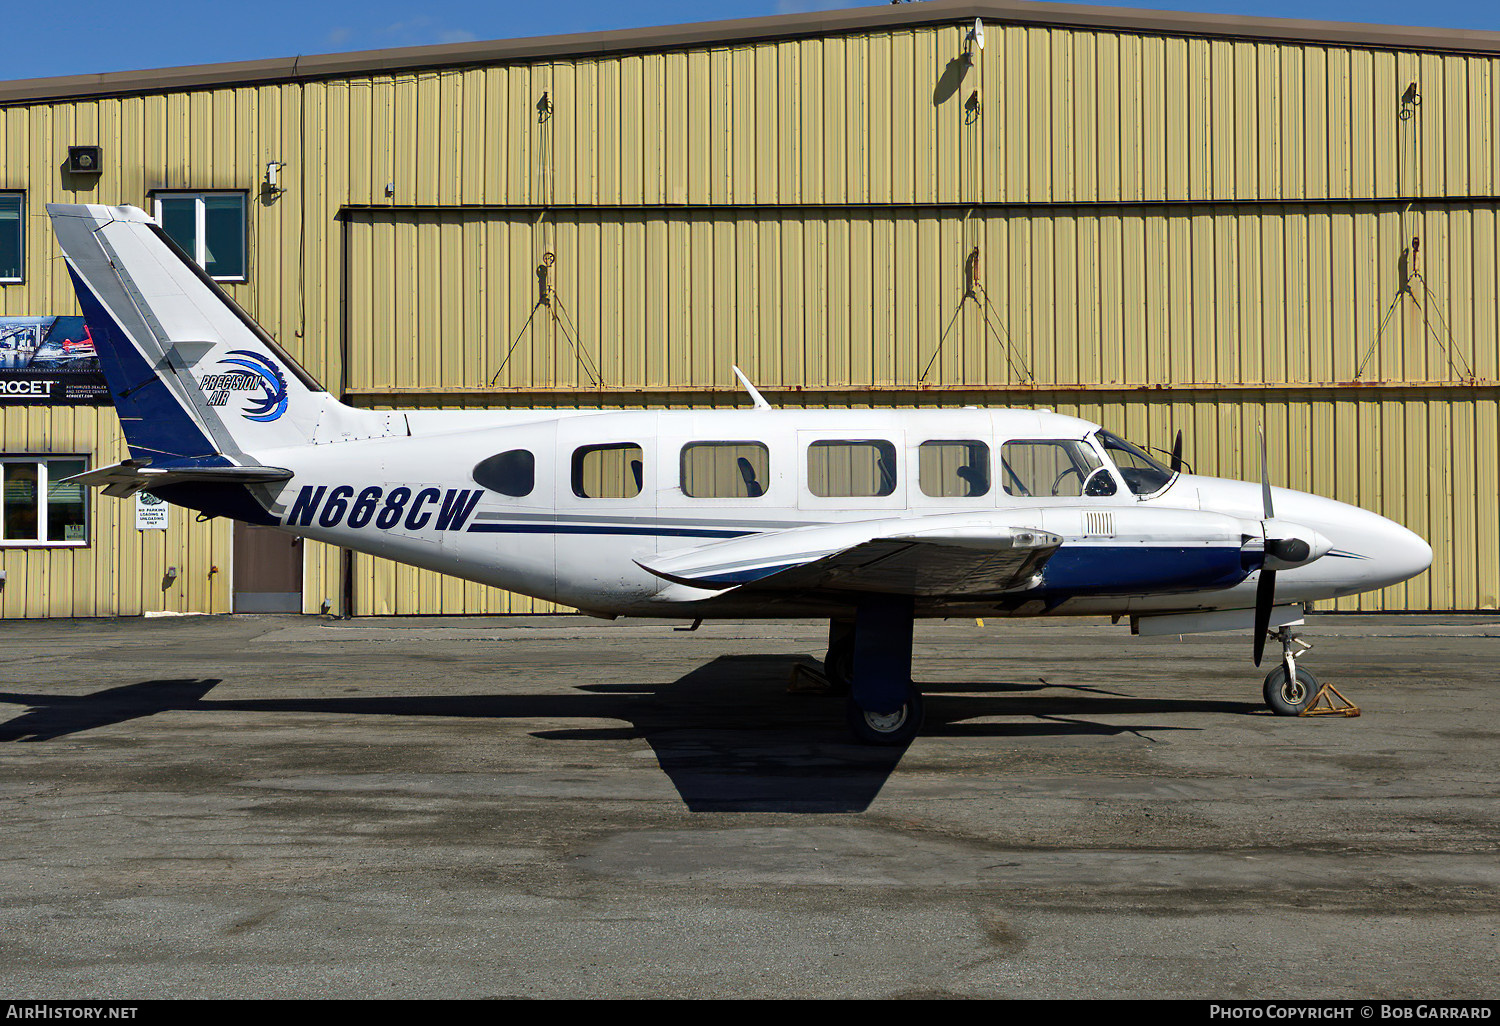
{"x":746,"y":30}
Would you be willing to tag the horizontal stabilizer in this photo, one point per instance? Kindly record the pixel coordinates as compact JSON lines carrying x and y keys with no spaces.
{"x":127,"y":478}
{"x":963,"y":556}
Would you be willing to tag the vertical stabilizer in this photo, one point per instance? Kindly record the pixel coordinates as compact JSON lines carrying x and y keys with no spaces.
{"x":193,"y":377}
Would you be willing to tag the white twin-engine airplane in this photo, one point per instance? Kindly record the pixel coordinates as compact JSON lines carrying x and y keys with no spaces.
{"x":865,"y":518}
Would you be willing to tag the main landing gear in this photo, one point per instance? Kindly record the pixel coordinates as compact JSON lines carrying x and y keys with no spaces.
{"x":838,"y":664}
{"x":870,"y":661}
{"x":1289,"y":689}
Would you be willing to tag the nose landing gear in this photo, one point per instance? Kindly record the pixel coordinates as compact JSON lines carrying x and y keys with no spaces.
{"x":1292,"y":691}
{"x":1288,"y":689}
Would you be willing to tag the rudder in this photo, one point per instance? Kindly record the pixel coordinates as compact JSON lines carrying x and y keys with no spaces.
{"x":192,"y":376}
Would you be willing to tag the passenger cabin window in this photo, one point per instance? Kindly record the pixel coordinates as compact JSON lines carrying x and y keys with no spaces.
{"x":608,"y":471}
{"x":954,"y":470}
{"x":1142,"y":474}
{"x":725,"y":470}
{"x":1046,"y":469}
{"x":852,"y":469}
{"x":509,"y":473}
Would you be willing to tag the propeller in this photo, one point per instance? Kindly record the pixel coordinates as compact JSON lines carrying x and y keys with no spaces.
{"x":1291,"y":551}
{"x":1265,"y":589}
{"x":1177,"y":453}
{"x":1286,"y":545}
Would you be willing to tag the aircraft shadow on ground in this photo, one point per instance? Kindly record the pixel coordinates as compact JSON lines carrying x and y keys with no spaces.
{"x":728,"y":735}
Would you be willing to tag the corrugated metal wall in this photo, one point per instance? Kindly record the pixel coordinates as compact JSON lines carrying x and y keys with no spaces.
{"x":122,"y":572}
{"x":1078,"y":219}
{"x":662,"y":298}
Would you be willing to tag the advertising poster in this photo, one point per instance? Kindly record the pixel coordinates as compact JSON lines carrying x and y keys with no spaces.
{"x":49,"y":361}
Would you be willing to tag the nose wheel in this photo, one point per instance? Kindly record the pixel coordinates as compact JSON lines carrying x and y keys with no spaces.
{"x":1288,"y":688}
{"x":1288,"y":696}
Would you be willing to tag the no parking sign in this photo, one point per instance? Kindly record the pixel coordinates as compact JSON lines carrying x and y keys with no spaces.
{"x":150,"y":512}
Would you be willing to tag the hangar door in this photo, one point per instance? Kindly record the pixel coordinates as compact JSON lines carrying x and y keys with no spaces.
{"x":434,"y":303}
{"x":620,"y":306}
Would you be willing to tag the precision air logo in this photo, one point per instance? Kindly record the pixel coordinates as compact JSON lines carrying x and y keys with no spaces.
{"x":258,"y":374}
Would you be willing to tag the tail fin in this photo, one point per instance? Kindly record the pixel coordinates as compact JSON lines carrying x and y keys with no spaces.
{"x":195,"y":380}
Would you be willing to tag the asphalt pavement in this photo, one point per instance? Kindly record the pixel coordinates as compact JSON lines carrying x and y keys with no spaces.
{"x":265,"y":806}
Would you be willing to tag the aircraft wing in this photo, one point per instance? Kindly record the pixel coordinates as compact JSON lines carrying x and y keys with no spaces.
{"x":965,"y":558}
{"x":125,"y":479}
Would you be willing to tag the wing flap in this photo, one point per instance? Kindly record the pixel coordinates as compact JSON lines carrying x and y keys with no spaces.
{"x":925,"y":569}
{"x":961,"y":557}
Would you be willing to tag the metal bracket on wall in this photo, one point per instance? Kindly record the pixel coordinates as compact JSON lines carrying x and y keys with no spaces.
{"x":546,"y":296}
{"x":974,"y":289}
{"x":1407,"y":268}
{"x":1410,"y":101}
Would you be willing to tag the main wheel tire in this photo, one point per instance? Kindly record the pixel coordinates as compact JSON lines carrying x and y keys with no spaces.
{"x":838,"y":667}
{"x":890,"y":729}
{"x":1290,"y":697}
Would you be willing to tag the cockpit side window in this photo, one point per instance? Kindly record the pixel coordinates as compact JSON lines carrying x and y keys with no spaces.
{"x":1142,"y":474}
{"x":1053,"y":468}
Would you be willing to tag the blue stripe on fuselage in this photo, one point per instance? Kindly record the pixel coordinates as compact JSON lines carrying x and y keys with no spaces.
{"x":671,"y":532}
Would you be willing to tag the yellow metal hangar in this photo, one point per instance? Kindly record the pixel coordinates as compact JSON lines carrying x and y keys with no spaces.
{"x":1154,"y":220}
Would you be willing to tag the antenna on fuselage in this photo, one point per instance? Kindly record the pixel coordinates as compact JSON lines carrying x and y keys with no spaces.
{"x":755,"y":396}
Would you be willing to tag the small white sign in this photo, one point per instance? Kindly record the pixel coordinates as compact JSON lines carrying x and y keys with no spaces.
{"x":150,"y":512}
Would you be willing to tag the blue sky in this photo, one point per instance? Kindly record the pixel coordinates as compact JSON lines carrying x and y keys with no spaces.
{"x":87,"y":36}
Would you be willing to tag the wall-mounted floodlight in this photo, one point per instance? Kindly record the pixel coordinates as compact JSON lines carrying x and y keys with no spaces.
{"x":974,"y":40}
{"x":273,"y":176}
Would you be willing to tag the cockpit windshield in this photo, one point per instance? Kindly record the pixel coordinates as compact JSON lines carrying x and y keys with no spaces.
{"x":1142,"y":474}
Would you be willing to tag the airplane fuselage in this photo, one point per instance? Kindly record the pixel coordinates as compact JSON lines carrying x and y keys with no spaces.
{"x":1173,"y":547}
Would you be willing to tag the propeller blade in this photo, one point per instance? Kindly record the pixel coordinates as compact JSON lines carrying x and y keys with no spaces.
{"x":1265,"y":598}
{"x":1265,"y":479}
{"x":1177,"y":454}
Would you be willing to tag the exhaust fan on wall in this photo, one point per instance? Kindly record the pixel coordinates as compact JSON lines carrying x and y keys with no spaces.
{"x":85,"y":160}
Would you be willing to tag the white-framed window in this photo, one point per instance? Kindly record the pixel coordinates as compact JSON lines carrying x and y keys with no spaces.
{"x":608,"y":471}
{"x":209,"y":227}
{"x":957,"y":469}
{"x":37,"y":507}
{"x":725,"y":470}
{"x":12,"y":236}
{"x":856,"y":468}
